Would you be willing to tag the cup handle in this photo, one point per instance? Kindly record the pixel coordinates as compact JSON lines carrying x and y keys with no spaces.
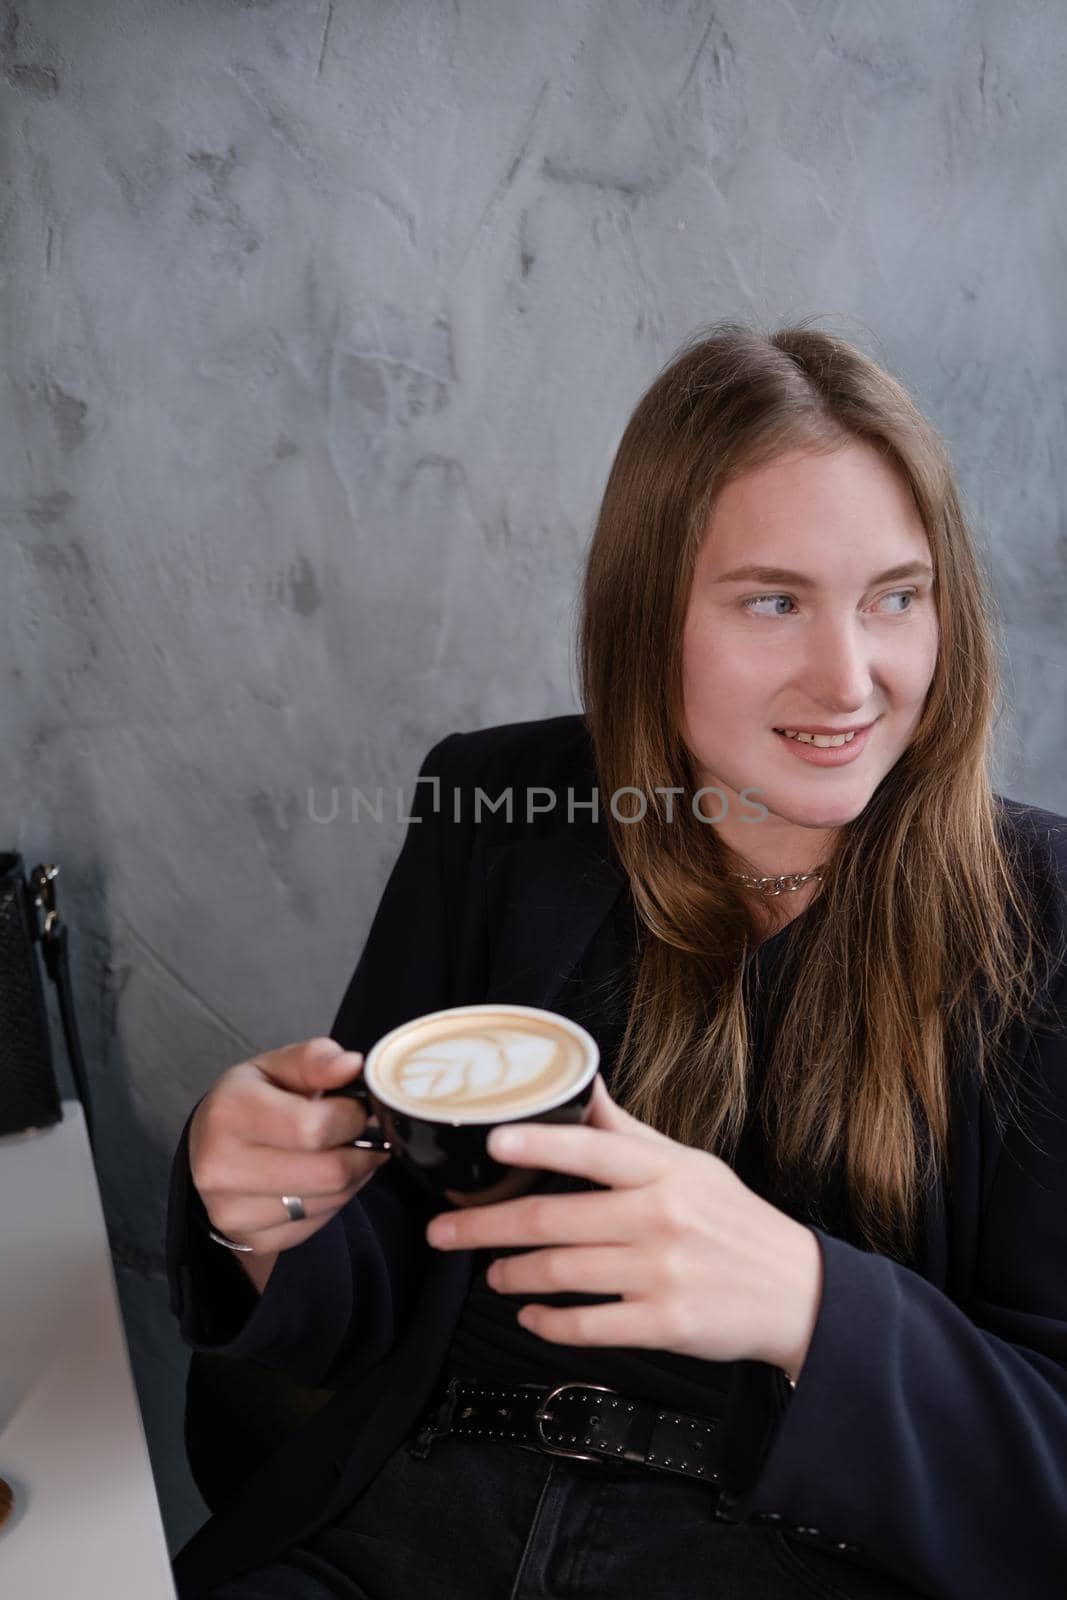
{"x":358,"y":1091}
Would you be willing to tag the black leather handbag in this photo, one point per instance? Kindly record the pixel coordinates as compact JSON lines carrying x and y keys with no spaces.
{"x":29,"y":1093}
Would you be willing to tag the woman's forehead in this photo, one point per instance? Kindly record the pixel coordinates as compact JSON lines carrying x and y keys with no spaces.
{"x":854,"y":495}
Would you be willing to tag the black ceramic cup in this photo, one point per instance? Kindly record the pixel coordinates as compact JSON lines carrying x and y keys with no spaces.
{"x":439,"y":1083}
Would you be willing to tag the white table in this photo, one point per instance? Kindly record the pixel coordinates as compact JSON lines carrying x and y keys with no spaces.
{"x":86,"y":1520}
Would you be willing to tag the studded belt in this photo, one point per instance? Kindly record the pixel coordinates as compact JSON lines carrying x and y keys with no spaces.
{"x":585,"y":1421}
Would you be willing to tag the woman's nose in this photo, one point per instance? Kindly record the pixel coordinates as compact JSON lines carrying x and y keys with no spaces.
{"x":840,"y":666}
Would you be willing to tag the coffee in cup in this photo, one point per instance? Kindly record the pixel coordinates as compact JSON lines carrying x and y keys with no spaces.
{"x":439,"y":1083}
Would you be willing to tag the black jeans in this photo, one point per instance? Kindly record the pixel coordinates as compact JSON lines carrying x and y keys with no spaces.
{"x":489,"y":1520}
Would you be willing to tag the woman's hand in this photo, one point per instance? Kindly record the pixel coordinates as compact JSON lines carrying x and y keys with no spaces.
{"x":704,"y":1266}
{"x":268,"y":1127}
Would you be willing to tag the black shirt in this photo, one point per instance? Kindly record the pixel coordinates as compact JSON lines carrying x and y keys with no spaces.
{"x":488,"y":1343}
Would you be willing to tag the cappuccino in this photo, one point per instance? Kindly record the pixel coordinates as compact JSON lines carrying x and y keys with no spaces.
{"x":481,"y":1063}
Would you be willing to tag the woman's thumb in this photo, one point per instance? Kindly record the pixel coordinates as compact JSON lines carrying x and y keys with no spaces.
{"x":605,"y":1113}
{"x":330,"y":1073}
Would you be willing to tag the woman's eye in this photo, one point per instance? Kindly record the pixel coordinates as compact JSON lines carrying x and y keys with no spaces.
{"x":759,"y":599}
{"x":749,"y":605}
{"x":907,"y":594}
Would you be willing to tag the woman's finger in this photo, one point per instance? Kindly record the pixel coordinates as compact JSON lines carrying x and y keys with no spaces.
{"x":602,"y":1217}
{"x":611,"y":1157}
{"x":574,"y":1269}
{"x":625,"y":1324}
{"x":243,"y":1217}
{"x":259,"y":1172}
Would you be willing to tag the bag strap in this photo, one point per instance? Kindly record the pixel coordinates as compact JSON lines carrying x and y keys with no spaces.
{"x":57,"y":965}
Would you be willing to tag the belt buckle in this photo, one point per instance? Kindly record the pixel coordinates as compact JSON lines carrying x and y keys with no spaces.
{"x":542,"y":1415}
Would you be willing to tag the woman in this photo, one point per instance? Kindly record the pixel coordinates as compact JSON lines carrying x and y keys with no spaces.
{"x":825,"y":966}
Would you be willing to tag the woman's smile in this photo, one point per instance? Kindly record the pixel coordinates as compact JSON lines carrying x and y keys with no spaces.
{"x":827,"y":756}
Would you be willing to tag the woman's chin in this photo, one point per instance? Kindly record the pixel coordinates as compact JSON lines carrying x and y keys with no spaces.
{"x":823,"y":814}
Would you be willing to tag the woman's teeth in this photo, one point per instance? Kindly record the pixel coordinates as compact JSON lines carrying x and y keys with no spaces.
{"x":825,"y":741}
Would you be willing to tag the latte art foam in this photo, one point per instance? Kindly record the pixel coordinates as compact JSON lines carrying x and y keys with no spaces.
{"x":498,"y":1063}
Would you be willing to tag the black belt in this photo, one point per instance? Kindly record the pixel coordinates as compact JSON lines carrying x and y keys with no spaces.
{"x":585,"y":1421}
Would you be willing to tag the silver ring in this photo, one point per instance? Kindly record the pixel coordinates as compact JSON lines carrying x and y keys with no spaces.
{"x":295,"y":1207}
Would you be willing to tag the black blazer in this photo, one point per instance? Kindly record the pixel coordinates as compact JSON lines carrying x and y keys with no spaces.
{"x":928,"y":1429}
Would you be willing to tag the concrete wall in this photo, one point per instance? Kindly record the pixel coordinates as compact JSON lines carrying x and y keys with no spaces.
{"x":321,"y":322}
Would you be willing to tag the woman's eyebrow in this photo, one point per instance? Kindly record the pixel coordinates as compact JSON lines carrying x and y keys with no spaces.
{"x":800,"y":580}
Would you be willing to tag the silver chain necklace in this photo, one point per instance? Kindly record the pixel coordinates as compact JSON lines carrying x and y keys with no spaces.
{"x":787,"y":882}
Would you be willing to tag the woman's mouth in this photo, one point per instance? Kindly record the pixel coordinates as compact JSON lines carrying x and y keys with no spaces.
{"x":825,"y":750}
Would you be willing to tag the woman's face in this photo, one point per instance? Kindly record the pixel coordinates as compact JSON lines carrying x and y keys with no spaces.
{"x":821,"y":638}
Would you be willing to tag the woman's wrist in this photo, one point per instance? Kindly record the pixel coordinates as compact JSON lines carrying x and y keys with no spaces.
{"x":797,"y":1298}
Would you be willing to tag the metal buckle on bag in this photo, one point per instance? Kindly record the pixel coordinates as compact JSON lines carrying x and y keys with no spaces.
{"x":544,"y":1415}
{"x":42,"y":882}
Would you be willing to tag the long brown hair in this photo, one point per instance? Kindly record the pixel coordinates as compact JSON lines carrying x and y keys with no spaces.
{"x":922,"y":944}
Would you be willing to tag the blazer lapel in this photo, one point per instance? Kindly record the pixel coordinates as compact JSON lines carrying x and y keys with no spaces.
{"x":546,"y":898}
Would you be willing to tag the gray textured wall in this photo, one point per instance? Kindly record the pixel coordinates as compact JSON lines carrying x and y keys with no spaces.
{"x":321,"y":322}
